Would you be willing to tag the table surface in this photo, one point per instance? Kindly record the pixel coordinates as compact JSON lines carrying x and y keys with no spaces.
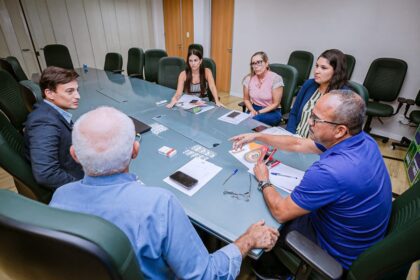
{"x":221,"y":215}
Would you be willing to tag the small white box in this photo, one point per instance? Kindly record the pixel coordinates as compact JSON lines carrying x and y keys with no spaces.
{"x":167,"y":151}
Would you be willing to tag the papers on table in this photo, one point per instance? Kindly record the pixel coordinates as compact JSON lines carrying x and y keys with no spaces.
{"x":199,"y":169}
{"x":287,"y":177}
{"x":193,"y":104}
{"x":200,"y":109}
{"x":234,"y":117}
{"x":278,"y":131}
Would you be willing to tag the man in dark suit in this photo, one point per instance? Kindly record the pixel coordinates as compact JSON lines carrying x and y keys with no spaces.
{"x":48,"y":129}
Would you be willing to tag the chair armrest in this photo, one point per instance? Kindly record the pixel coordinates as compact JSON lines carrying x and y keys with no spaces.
{"x":242,"y":104}
{"x":117,"y":71}
{"x":313,"y":255}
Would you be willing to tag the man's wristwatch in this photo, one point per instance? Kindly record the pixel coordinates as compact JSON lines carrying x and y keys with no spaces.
{"x":263,"y":184}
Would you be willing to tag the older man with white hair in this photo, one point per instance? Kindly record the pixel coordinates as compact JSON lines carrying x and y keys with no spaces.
{"x":163,"y":238}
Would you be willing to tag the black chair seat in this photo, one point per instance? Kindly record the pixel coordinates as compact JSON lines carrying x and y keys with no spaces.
{"x":415,"y":116}
{"x":379,"y":109}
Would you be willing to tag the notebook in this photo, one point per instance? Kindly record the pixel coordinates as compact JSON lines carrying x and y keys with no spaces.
{"x":140,"y":126}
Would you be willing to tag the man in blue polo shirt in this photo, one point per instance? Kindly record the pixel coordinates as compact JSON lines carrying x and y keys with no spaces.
{"x":343,"y":202}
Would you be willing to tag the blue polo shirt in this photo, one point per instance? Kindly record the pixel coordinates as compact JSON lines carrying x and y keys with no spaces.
{"x":348,"y":192}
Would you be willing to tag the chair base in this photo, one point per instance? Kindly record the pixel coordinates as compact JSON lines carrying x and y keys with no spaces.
{"x":367,"y":129}
{"x":404,"y":143}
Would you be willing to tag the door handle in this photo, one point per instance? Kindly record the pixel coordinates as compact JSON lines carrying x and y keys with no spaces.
{"x":26,"y":50}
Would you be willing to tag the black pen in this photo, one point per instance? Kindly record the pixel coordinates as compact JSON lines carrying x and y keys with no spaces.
{"x":284,"y":175}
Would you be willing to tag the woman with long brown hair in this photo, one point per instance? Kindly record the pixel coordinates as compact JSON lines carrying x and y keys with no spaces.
{"x":195,"y":79}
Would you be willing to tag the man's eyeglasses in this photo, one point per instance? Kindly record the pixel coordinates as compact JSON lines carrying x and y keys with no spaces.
{"x":257,"y":63}
{"x":245,"y":196}
{"x":314,"y":119}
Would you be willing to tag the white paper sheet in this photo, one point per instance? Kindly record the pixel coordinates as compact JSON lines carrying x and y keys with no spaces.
{"x":202,"y":109}
{"x":284,"y":182}
{"x":289,"y":181}
{"x":185,"y":101}
{"x":199,"y":169}
{"x":235,"y":120}
{"x":278,"y":131}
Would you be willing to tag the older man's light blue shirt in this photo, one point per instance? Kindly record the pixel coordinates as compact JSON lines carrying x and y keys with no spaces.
{"x":163,"y":238}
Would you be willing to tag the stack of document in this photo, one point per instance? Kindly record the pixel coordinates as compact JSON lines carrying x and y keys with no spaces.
{"x":281,"y":176}
{"x":199,"y":169}
{"x":234,"y":117}
{"x":193,"y":104}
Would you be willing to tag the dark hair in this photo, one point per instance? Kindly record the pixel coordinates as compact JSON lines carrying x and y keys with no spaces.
{"x":53,"y":76}
{"x":188,"y":71}
{"x":351,"y":112}
{"x":337,"y":60}
{"x":264,"y":57}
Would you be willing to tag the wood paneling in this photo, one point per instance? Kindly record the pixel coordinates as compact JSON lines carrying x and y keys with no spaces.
{"x":187,"y":25}
{"x":173,"y":24}
{"x":221,"y":40}
{"x":179,"y":26}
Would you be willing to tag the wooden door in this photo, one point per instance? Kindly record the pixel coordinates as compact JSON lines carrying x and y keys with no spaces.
{"x":221,"y":40}
{"x":179,"y":26}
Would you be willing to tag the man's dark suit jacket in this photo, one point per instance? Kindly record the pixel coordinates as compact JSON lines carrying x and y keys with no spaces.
{"x":47,"y":143}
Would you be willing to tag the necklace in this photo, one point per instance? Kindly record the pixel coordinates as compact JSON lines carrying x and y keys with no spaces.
{"x":260,"y":80}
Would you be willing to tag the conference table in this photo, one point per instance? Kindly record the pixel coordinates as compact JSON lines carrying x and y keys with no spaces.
{"x":192,"y":135}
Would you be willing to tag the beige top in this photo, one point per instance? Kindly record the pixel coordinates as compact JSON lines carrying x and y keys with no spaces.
{"x":303,"y":127}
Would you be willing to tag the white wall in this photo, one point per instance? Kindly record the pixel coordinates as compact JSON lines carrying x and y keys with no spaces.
{"x":365,"y":29}
{"x":158,"y":24}
{"x":202,"y":24}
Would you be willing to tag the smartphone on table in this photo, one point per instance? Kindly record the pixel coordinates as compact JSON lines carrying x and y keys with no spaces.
{"x":259,"y":128}
{"x":184,"y":179}
{"x":233,"y":114}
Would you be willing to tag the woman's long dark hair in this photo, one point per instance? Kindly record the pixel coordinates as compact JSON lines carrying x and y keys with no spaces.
{"x":337,"y":60}
{"x":188,"y":71}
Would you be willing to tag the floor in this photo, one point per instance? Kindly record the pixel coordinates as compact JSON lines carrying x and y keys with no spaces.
{"x":395,"y":169}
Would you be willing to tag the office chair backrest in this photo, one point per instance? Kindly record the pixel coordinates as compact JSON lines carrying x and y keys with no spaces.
{"x":6,"y":66}
{"x":290,"y":78}
{"x":385,"y":78}
{"x":11,"y":102}
{"x":169,"y":70}
{"x":135,"y":62}
{"x":417,"y":101}
{"x":351,"y":62}
{"x":392,"y":257}
{"x":31,"y":93}
{"x":360,"y":90}
{"x":302,"y":61}
{"x":14,"y":162}
{"x":113,"y":61}
{"x":151,"y":63}
{"x":41,"y":242}
{"x":209,"y":63}
{"x":17,"y":68}
{"x":58,"y":55}
{"x":198,"y":47}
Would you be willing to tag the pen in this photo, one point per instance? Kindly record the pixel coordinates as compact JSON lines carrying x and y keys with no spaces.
{"x":271,"y":156}
{"x":230,"y":176}
{"x":284,"y":175}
